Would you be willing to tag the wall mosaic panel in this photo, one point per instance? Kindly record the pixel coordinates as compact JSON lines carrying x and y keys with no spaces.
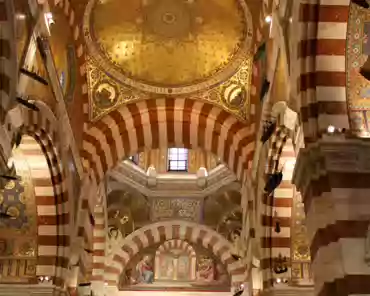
{"x":18,"y":235}
{"x":357,"y":53}
{"x":192,"y":268}
{"x":106,"y":94}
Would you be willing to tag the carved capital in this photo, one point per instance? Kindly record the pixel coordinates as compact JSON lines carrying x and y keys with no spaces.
{"x":332,"y":153}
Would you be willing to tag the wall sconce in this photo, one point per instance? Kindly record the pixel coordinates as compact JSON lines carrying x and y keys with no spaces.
{"x":280,"y":264}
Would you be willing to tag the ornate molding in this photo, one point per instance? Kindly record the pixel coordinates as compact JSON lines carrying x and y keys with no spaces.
{"x":170,"y":185}
{"x":332,"y":153}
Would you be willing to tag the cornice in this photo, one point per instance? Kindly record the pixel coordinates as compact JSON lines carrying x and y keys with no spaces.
{"x":290,"y":291}
{"x":332,"y":153}
{"x":27,"y":290}
{"x":170,"y":185}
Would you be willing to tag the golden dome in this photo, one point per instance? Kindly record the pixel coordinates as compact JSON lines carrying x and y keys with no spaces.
{"x":168,"y":46}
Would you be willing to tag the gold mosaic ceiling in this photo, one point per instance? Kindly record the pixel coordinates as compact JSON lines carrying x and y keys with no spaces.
{"x":168,"y":46}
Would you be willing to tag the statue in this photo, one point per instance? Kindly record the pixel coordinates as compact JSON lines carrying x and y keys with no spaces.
{"x":367,"y":245}
{"x":115,"y":237}
{"x":145,"y":271}
{"x":235,"y":238}
{"x":206,"y":271}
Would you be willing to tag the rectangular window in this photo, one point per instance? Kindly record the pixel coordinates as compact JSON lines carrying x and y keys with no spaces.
{"x":177,"y":160}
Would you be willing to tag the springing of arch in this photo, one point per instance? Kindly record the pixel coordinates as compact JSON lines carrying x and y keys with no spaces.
{"x":163,"y":231}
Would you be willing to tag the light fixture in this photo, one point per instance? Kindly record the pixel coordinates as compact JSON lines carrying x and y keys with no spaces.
{"x":268,"y":19}
{"x":331,"y":129}
{"x":278,"y":280}
{"x":290,"y":20}
{"x":20,"y":16}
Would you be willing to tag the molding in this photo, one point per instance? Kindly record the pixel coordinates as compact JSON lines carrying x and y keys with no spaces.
{"x":27,"y":290}
{"x":332,"y":153}
{"x":289,"y":291}
{"x":170,"y":185}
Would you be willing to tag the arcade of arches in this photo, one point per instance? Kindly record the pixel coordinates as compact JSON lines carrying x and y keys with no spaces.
{"x":188,"y":147}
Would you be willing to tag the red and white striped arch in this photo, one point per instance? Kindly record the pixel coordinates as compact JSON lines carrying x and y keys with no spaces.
{"x":173,"y":230}
{"x":278,"y":208}
{"x":50,"y":192}
{"x":322,"y":62}
{"x":176,"y":244}
{"x":164,"y":123}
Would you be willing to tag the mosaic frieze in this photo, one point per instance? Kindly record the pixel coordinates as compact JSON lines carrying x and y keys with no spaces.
{"x":176,"y":208}
{"x":106,"y":94}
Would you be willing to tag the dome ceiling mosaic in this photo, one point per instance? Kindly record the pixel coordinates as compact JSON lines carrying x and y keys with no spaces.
{"x":171,"y":47}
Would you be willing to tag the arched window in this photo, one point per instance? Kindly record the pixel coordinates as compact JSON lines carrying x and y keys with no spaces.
{"x":177,"y":160}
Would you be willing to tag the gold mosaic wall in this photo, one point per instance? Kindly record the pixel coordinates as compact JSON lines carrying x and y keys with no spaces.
{"x":18,"y":236}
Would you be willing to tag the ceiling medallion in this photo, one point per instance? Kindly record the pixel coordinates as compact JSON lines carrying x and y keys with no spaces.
{"x":169,"y":47}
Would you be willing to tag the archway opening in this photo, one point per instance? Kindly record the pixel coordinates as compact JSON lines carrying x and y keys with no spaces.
{"x":30,"y":247}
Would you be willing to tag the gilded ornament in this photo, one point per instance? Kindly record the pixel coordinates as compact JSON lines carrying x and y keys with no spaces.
{"x":105,"y":94}
{"x":22,"y":198}
{"x":10,"y":185}
{"x":168,"y":47}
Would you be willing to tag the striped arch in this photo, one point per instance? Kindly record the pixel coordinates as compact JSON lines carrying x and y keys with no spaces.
{"x":51,"y":196}
{"x":278,"y":209}
{"x":176,"y":244}
{"x":165,"y":123}
{"x":174,"y":230}
{"x":8,"y":72}
{"x":322,"y":62}
{"x":74,"y":14}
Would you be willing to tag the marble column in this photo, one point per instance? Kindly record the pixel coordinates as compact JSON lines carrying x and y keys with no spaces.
{"x":333,"y":176}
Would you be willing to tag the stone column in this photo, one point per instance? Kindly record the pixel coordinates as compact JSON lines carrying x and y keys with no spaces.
{"x":333,"y":176}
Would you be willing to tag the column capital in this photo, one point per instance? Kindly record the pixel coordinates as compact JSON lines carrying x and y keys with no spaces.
{"x":331,"y":154}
